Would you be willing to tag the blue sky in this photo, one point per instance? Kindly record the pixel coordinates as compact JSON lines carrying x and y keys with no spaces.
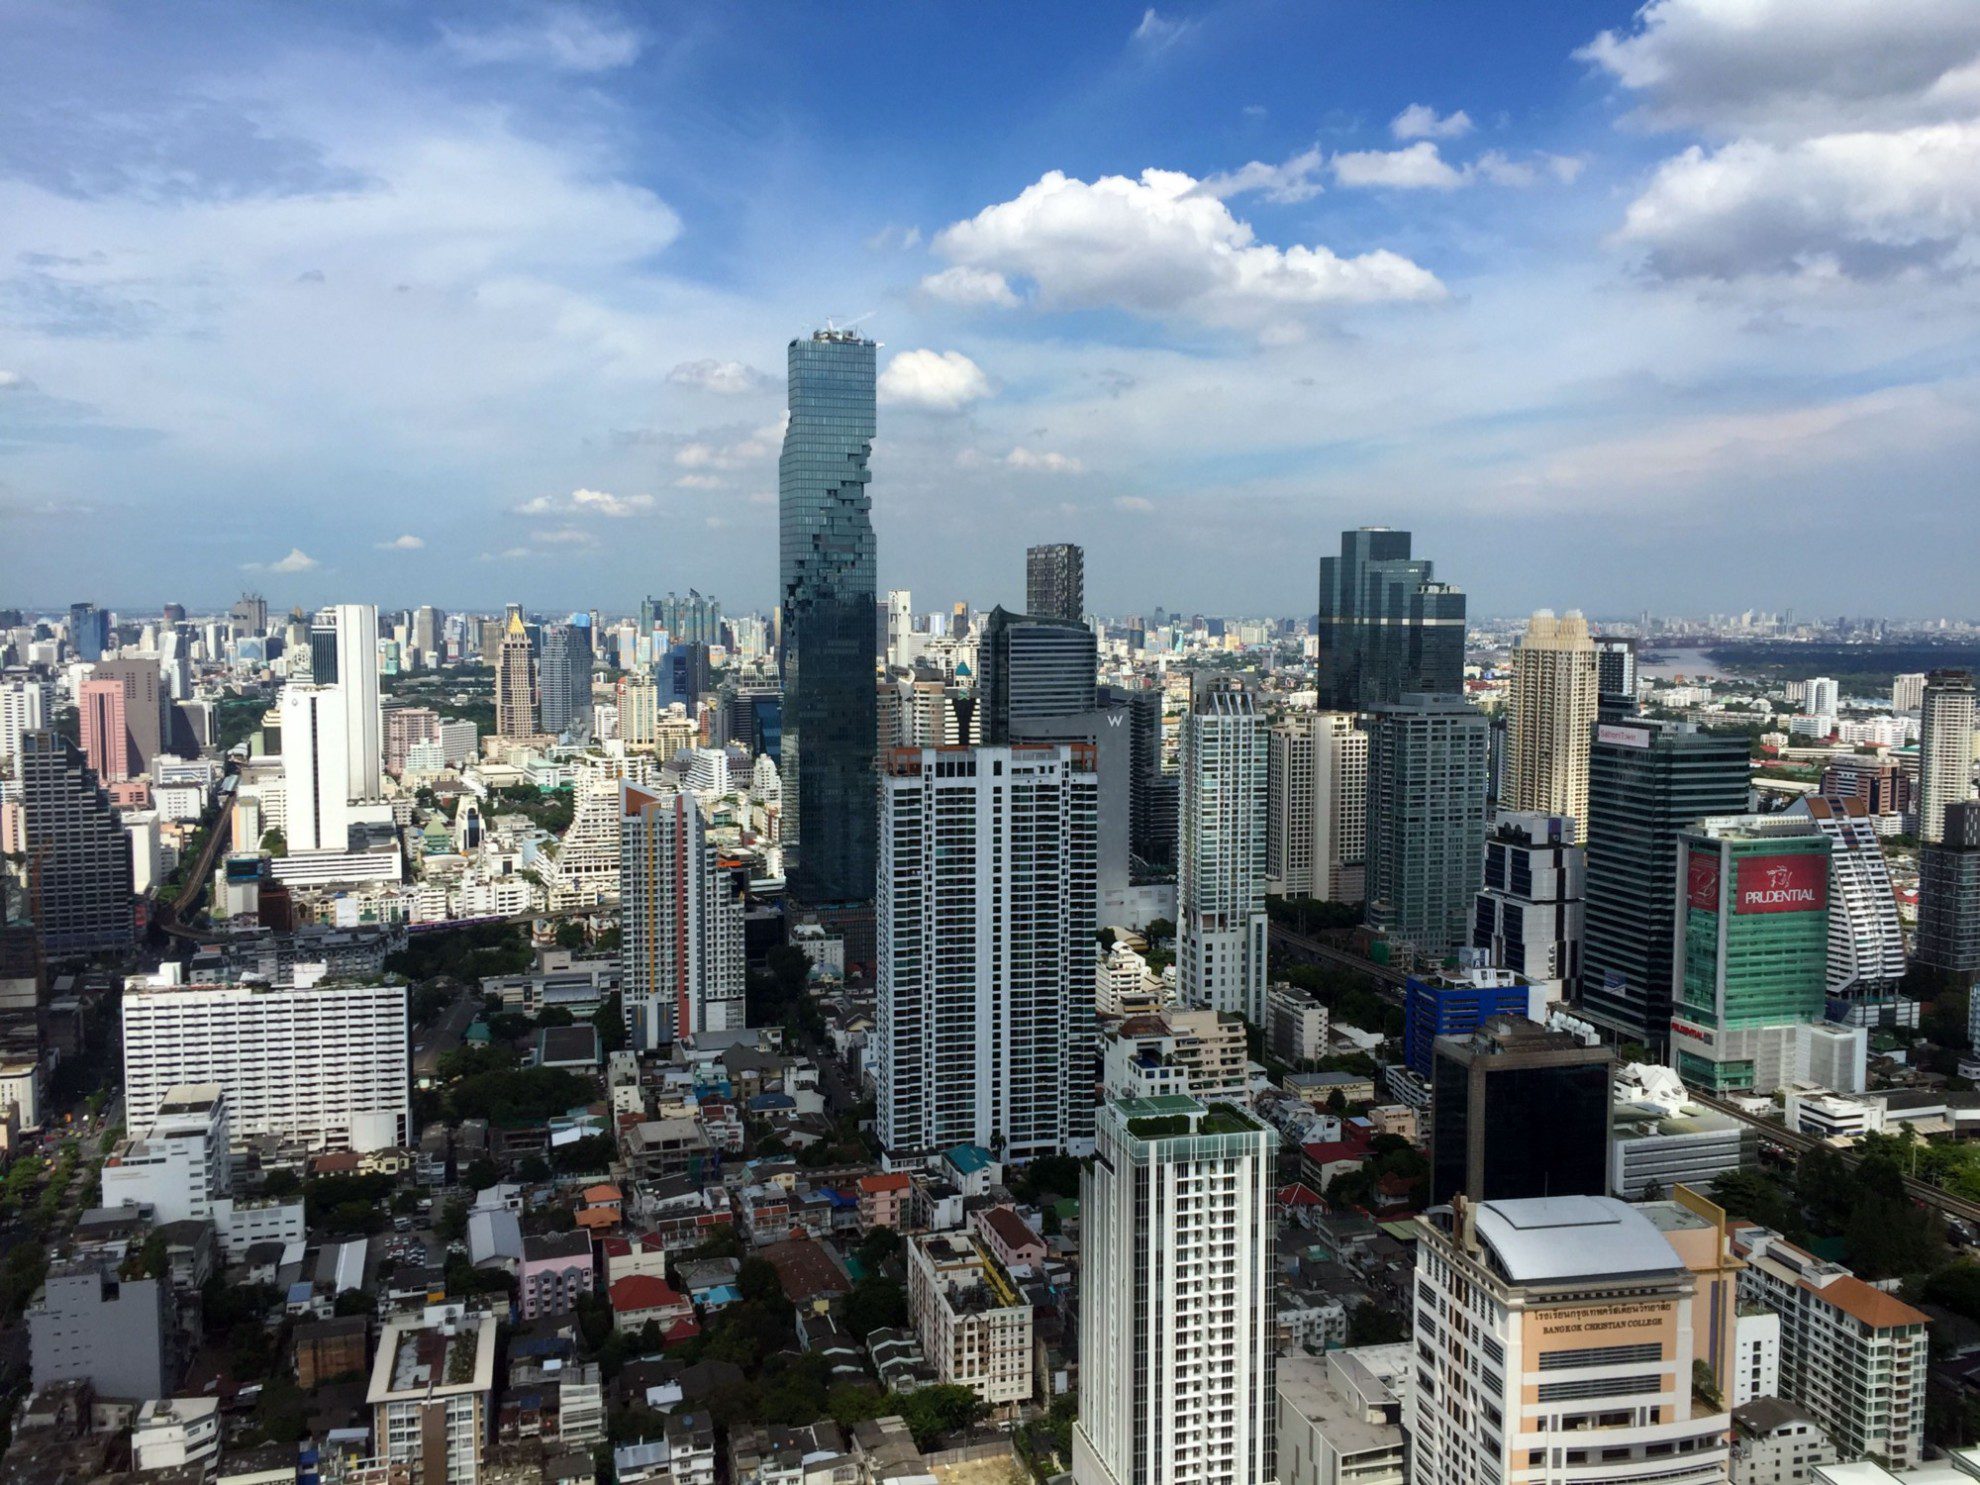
{"x":1671,"y":308}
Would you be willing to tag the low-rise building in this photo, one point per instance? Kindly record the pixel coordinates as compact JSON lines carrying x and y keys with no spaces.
{"x":116,"y":1334}
{"x":431,"y":1387}
{"x":1340,"y":1417}
{"x":556,"y":1272}
{"x":1777,"y":1443}
{"x":173,"y":1432}
{"x":973,"y":1323}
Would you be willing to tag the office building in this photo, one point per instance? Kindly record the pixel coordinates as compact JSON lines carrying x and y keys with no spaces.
{"x":1426,"y":821}
{"x":1518,"y":1110}
{"x":1854,"y":1356}
{"x":1055,"y":582}
{"x":1945,"y":748}
{"x":1438,"y":1003}
{"x":1658,"y":1145}
{"x":249,"y":614}
{"x":1316,"y":807}
{"x":315,"y":770}
{"x":1340,"y":1417}
{"x":515,"y":679}
{"x":1031,"y":669}
{"x":684,"y":674}
{"x":1550,"y":712}
{"x":1610,"y":1306}
{"x":1153,"y":795}
{"x":1220,"y":888}
{"x":118,"y":1335}
{"x":563,"y":685}
{"x":79,"y":853}
{"x":89,"y":631}
{"x":1177,"y":1363}
{"x":351,"y":1040}
{"x":1866,"y":939}
{"x":1528,"y":915}
{"x":1908,"y":692}
{"x":1879,"y":784}
{"x":1753,"y":949}
{"x":826,"y":607}
{"x":639,"y":709}
{"x":145,"y":705}
{"x":432,"y":1386}
{"x":180,"y":1166}
{"x":344,"y":653}
{"x":695,"y":619}
{"x":1647,"y":781}
{"x":1385,"y":628}
{"x":987,"y":919}
{"x":973,"y":1324}
{"x":681,"y":923}
{"x":1615,"y":674}
{"x":106,"y":742}
{"x":1948,"y":941}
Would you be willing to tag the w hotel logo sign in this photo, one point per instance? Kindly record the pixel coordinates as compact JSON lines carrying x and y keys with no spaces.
{"x":1782,"y":884}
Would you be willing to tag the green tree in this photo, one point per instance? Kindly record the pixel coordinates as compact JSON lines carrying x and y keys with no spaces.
{"x":1371,"y":1325}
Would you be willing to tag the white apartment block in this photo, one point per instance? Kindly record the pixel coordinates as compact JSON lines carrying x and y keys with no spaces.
{"x":1945,"y":749}
{"x":431,"y":1386}
{"x":329,"y":1065}
{"x":1177,"y":1357}
{"x":1296,"y":1025}
{"x":972,"y":1323}
{"x":24,"y":707}
{"x":180,"y":1166}
{"x":1550,"y":714}
{"x":315,"y":768}
{"x":1854,"y":1356}
{"x":1866,"y":938}
{"x":1220,"y":888}
{"x":585,"y":871}
{"x":986,"y":919}
{"x":1340,"y":1417}
{"x":1199,"y":1053}
{"x":1776,"y":1443}
{"x":681,"y":945}
{"x":1316,"y":787}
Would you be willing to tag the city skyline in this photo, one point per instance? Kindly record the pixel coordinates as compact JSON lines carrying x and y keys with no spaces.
{"x":1463,"y":280}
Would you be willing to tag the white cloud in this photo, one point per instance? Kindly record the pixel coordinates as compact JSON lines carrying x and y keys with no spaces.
{"x":1159,"y":246}
{"x":1420,"y":121}
{"x":12,"y":381}
{"x":1415,"y":167}
{"x":700,"y":482}
{"x":297,"y":561}
{"x":732,"y":448}
{"x":1133,"y":504}
{"x":1158,"y":31}
{"x":973,"y":286}
{"x":1039,"y":461}
{"x":564,"y":536}
{"x":407,"y":543}
{"x":585,"y":502}
{"x":565,"y":38}
{"x":1298,"y":179}
{"x":726,"y":377}
{"x":936,"y":381}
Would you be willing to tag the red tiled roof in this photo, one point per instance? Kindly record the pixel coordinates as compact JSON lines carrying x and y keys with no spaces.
{"x":1299,"y":1194}
{"x":886,"y":1181}
{"x":644,"y":1292}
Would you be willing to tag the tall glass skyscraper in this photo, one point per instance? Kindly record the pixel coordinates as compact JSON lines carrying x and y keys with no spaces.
{"x":825,"y":646}
{"x":1385,"y":627}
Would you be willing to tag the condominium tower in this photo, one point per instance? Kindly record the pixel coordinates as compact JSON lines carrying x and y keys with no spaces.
{"x":515,"y":679}
{"x":1220,"y":889}
{"x":1316,"y":807}
{"x":681,"y":941}
{"x":1866,"y":937}
{"x":344,"y":653}
{"x":315,"y":768}
{"x":79,"y":853}
{"x":1055,"y":582}
{"x":1945,"y":748}
{"x":1550,"y":712}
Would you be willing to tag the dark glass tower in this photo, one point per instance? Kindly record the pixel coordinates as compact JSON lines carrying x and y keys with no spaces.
{"x":825,"y":646}
{"x":1385,"y":627}
{"x":1032,"y":668}
{"x":1519,"y":1111}
{"x":1055,"y":582}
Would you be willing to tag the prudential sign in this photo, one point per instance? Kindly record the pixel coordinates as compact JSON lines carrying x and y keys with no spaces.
{"x":1781,"y":884}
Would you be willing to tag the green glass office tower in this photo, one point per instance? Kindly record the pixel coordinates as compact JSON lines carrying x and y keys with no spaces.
{"x":825,"y":645}
{"x":1647,"y":781}
{"x":1385,"y":627}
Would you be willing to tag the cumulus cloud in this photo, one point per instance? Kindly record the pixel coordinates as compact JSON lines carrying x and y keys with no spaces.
{"x":585,"y":503}
{"x":1415,"y":167}
{"x":1159,"y":246}
{"x":567,"y":39}
{"x":725,"y":377}
{"x":297,"y":561}
{"x":971,"y":286}
{"x":12,"y":381}
{"x":935,"y":381}
{"x":732,"y":448}
{"x":1158,"y":31}
{"x":1298,"y":179}
{"x":407,"y":543}
{"x":1133,"y":504}
{"x":1421,"y":121}
{"x":1040,"y":461}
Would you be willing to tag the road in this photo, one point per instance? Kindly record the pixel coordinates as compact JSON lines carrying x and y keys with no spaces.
{"x":1780,"y":1134}
{"x":443,"y":1036}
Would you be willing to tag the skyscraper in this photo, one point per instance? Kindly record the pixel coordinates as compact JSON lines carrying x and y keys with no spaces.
{"x":344,"y":653}
{"x":1032,"y":668}
{"x":1647,"y":780}
{"x":515,"y":680}
{"x":79,"y":853}
{"x":1866,"y":938}
{"x":106,"y":739}
{"x":827,"y":597}
{"x":1426,"y":820}
{"x":1615,"y":673}
{"x":1316,"y":812}
{"x":986,"y":921}
{"x":144,"y":708}
{"x":1528,"y":917}
{"x":1055,"y":582}
{"x":564,"y":679}
{"x":1948,"y":940}
{"x":1945,"y":748}
{"x":1518,"y":1110}
{"x":681,"y":948}
{"x":1551,"y":710}
{"x":315,"y":767}
{"x":1220,"y":888}
{"x":23,"y":708}
{"x":1177,"y":1356}
{"x":89,"y":631}
{"x":1386,"y":628}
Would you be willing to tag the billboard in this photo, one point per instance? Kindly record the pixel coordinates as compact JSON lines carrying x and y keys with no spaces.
{"x":1701,"y":881}
{"x":1622,"y":737}
{"x":1781,"y":884}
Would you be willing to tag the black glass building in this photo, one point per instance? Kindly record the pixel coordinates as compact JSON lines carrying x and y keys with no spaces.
{"x":1385,"y":626}
{"x":1519,"y":1111}
{"x":827,"y":597}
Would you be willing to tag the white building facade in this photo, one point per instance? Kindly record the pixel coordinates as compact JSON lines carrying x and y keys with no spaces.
{"x":1220,"y":887}
{"x":681,"y":923}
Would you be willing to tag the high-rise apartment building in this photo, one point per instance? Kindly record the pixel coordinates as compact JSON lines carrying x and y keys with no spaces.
{"x":515,"y":680}
{"x":315,"y":769}
{"x":144,"y":707}
{"x":344,"y":641}
{"x":1220,"y":887}
{"x":1316,"y":807}
{"x":106,"y":741}
{"x":827,"y":597}
{"x":1177,"y":1355}
{"x":1519,"y":1110}
{"x":1032,"y":668}
{"x":1866,"y":938}
{"x":431,"y":1394}
{"x":986,"y":921}
{"x":1908,"y":692}
{"x":1528,"y":917}
{"x":973,"y":1322}
{"x":1055,"y":582}
{"x":405,"y":727}
{"x":1385,"y":627}
{"x":1945,"y":748}
{"x":252,"y":1039}
{"x":1948,"y":941}
{"x":684,"y":674}
{"x":1647,"y":781}
{"x":681,"y":939}
{"x":1615,"y":673}
{"x":79,"y":853}
{"x":1426,"y":820}
{"x":23,"y":708}
{"x":1610,"y":1306}
{"x":1550,"y":714}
